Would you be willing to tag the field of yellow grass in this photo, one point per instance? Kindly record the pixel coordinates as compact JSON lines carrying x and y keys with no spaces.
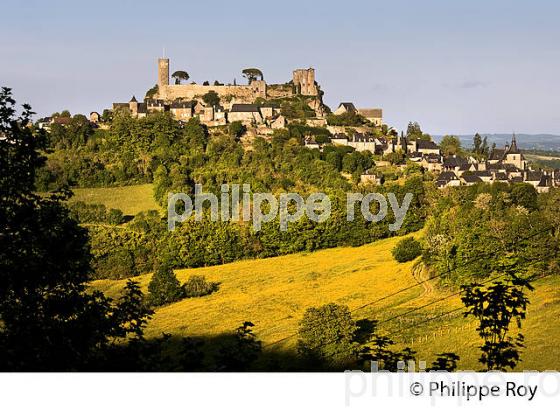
{"x":129,"y":199}
{"x":274,"y":293}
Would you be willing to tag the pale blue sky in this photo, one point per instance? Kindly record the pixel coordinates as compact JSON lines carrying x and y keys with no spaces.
{"x":453,"y":66}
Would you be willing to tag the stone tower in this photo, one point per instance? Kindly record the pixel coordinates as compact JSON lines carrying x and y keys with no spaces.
{"x":163,"y":72}
{"x":304,"y":80}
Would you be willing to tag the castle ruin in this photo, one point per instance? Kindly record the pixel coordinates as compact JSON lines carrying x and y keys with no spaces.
{"x":303,"y":83}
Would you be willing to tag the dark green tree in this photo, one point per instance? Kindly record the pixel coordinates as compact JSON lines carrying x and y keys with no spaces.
{"x":407,"y":249}
{"x":497,"y":308}
{"x":237,"y":129}
{"x":252,"y":74}
{"x":326,"y":336}
{"x":450,"y":145}
{"x":180,"y":76}
{"x":211,"y":98}
{"x":164,"y":287}
{"x":241,"y":351}
{"x":49,"y":319}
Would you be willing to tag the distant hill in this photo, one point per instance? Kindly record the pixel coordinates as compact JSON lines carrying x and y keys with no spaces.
{"x":546,"y":142}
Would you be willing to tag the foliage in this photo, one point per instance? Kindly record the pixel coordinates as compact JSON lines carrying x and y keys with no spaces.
{"x":152,"y":91}
{"x":450,"y":145}
{"x":407,"y":249}
{"x":236,"y":129}
{"x":180,"y":76}
{"x":326,"y":335}
{"x":473,"y":230}
{"x":296,"y":107}
{"x":349,"y":118}
{"x":414,"y":132}
{"x":95,"y":213}
{"x":252,"y":74}
{"x":496,"y":308}
{"x":49,"y":320}
{"x":211,"y":98}
{"x":241,"y":352}
{"x":164,"y":288}
{"x":197,"y":286}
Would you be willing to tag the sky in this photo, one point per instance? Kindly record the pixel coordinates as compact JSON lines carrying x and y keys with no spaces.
{"x":456,"y":67}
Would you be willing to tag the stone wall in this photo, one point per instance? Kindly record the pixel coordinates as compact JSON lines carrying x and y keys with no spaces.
{"x":242,"y":93}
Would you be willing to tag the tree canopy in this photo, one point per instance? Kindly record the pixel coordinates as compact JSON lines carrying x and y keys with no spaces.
{"x":252,"y":74}
{"x":180,"y":76}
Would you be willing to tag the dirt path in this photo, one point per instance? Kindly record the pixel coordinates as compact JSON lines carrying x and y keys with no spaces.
{"x":420,"y":275}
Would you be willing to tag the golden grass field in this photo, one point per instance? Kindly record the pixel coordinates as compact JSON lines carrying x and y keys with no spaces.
{"x":274,"y":293}
{"x":129,"y":199}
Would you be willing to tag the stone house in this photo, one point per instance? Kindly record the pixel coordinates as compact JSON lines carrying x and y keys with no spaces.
{"x":446,"y":179}
{"x":373,"y":115}
{"x":246,"y":113}
{"x":345,"y":107}
{"x":182,"y":111}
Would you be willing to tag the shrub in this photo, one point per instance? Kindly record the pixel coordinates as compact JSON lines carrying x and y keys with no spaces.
{"x":407,"y":249}
{"x":164,"y":288}
{"x":197,"y":285}
{"x":115,"y":216}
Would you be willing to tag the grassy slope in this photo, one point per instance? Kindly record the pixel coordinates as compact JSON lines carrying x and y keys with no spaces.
{"x":274,"y":293}
{"x":129,"y":199}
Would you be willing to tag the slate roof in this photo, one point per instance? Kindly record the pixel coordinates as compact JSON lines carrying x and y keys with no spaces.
{"x":421,"y":144}
{"x":497,"y":154}
{"x":453,"y":162}
{"x":534,"y":176}
{"x":447,"y":176}
{"x":471,"y":179}
{"x":370,"y":112}
{"x":348,"y":106}
{"x":244,"y":108}
{"x":182,"y":104}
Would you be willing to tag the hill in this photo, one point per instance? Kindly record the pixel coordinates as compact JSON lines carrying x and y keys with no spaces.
{"x":274,"y":293}
{"x":545,"y":142}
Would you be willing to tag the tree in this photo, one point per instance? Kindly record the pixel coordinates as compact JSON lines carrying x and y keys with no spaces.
{"x":49,"y":319}
{"x":406,"y":250}
{"x":211,"y":98}
{"x":477,"y":144}
{"x":180,"y":76}
{"x":241,"y":351}
{"x":450,"y":145}
{"x":524,"y":195}
{"x":152,"y":91}
{"x":252,"y":74}
{"x":237,"y":129}
{"x":444,"y":362}
{"x":326,"y":335}
{"x":164,"y":287}
{"x":496,"y":307}
{"x":413,"y":130}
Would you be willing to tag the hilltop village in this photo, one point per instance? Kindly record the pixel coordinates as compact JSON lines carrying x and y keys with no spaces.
{"x":265,"y":109}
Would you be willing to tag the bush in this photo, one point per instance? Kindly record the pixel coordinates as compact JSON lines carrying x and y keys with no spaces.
{"x":197,"y":286}
{"x":164,"y":288}
{"x":115,"y":216}
{"x":406,"y":250}
{"x":95,"y":213}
